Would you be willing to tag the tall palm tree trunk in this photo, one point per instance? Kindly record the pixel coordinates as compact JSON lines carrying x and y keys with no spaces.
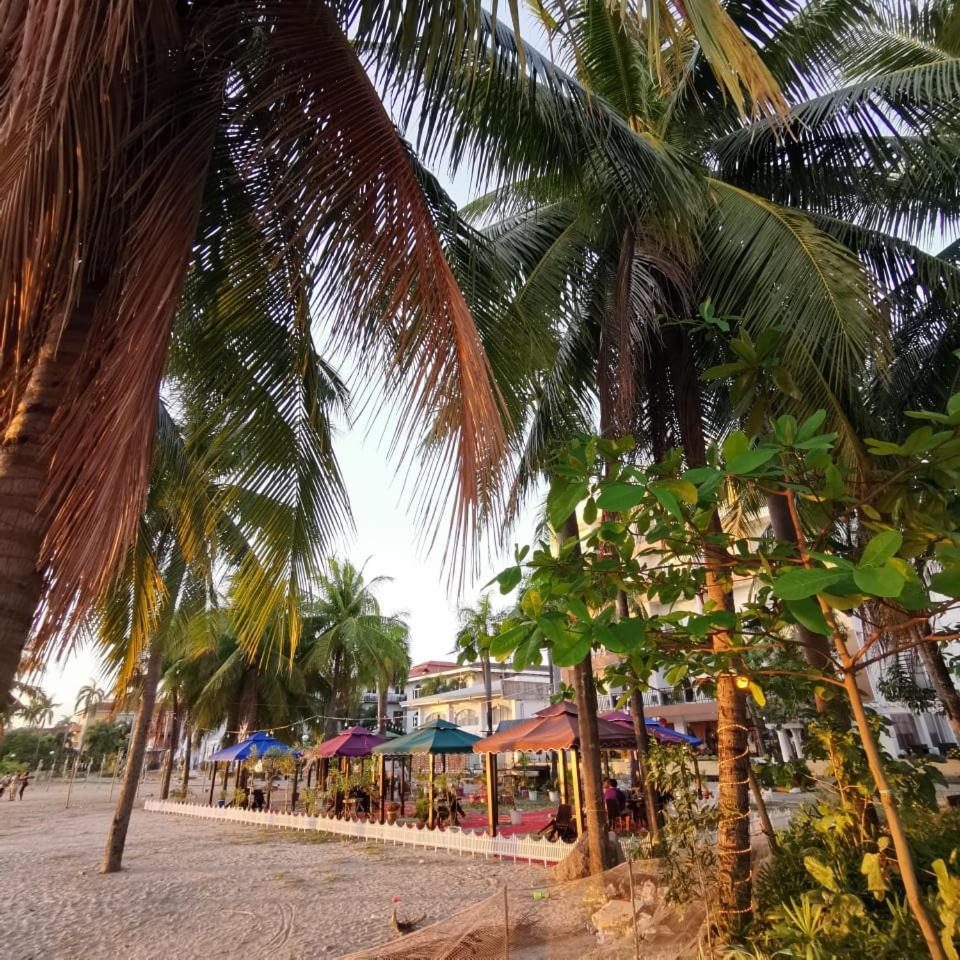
{"x":593,"y":808}
{"x":733,"y":833}
{"x":942,"y":680}
{"x":383,"y":691}
{"x":117,"y":836}
{"x":187,"y":756}
{"x":175,"y":724}
{"x":24,"y":462}
{"x":487,"y":691}
{"x":816,"y":648}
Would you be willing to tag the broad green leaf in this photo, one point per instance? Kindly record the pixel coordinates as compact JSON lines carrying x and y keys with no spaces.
{"x":684,"y":489}
{"x":807,"y":612}
{"x":947,"y":581}
{"x":577,"y":607}
{"x":590,"y":512}
{"x":509,"y":578}
{"x":735,"y":444}
{"x":576,"y":645}
{"x":552,"y":626}
{"x":507,"y":641}
{"x":563,"y":499}
{"x":881,"y":548}
{"x":750,"y":461}
{"x":885,"y":581}
{"x":667,"y":499}
{"x":626,"y":636}
{"x":620,"y":496}
{"x":801,"y":583}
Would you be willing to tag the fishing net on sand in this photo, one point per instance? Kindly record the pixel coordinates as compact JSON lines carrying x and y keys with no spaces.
{"x":556,"y":922}
{"x":485,"y":930}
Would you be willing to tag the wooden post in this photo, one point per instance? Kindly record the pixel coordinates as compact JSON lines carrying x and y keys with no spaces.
{"x":562,"y":787}
{"x":213,"y":782}
{"x":577,"y":796}
{"x":73,"y":774}
{"x":403,"y":786}
{"x":493,"y":799}
{"x":382,"y":778}
{"x":431,"y":771}
{"x":506,"y":925}
{"x":296,"y":781}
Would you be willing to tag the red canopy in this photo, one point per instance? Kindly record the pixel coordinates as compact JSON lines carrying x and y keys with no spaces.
{"x":353,"y":742}
{"x":554,"y":728}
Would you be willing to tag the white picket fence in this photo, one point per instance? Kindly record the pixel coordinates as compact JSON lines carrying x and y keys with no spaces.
{"x":451,"y":839}
{"x":472,"y":843}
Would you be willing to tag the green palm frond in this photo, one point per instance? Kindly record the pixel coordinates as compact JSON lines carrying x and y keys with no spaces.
{"x":772,"y":266}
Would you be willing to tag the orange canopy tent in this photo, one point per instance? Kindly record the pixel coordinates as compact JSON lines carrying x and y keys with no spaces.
{"x":556,"y":727}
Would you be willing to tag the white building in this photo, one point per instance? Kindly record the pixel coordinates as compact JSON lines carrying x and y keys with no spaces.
{"x":441,"y":690}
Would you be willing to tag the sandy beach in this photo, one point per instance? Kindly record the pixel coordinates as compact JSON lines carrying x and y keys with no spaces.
{"x":209,"y":890}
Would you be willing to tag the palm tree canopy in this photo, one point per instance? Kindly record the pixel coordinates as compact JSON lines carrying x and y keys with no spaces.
{"x":809,"y":223}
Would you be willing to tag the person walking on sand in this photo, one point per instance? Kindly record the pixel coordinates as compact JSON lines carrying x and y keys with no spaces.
{"x":12,"y":788}
{"x":24,"y":782}
{"x":5,"y":782}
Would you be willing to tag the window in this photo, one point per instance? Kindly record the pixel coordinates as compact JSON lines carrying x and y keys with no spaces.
{"x":415,"y":718}
{"x":436,"y":715}
{"x":501,"y":712}
{"x":467,"y":718}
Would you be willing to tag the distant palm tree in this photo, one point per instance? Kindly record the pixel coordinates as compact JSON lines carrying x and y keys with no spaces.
{"x":89,"y":697}
{"x":349,"y":641}
{"x":478,"y":627}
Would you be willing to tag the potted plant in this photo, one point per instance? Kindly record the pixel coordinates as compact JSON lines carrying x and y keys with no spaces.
{"x":553,"y":793}
{"x":392,"y":810}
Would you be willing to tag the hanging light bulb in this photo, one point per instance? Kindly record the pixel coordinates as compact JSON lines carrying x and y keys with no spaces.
{"x":742,"y":682}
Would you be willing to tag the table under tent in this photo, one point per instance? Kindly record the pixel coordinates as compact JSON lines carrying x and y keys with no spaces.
{"x":555,"y":729}
{"x":354,"y":743}
{"x":256,"y":746}
{"x":439,"y":738}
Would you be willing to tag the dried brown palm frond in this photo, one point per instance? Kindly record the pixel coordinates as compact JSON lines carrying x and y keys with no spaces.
{"x":109,"y":113}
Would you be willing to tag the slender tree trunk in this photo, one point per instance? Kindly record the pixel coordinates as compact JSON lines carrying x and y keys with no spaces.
{"x":167,"y":773}
{"x":816,"y":648}
{"x":383,"y":691}
{"x":942,"y":680}
{"x":643,"y":743}
{"x":733,"y":833}
{"x":117,"y":836}
{"x":593,"y":808}
{"x":187,"y":756}
{"x":24,"y":461}
{"x":901,"y":845}
{"x":487,"y":691}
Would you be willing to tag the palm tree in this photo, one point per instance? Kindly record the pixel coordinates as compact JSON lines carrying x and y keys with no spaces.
{"x":788,"y":223}
{"x":252,"y":128}
{"x":89,"y":697}
{"x":478,"y":626}
{"x":349,"y":641}
{"x":394,"y":672}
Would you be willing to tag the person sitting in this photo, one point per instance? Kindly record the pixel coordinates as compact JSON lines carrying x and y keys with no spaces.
{"x":614,"y":801}
{"x":562,"y":826}
{"x":258,"y":799}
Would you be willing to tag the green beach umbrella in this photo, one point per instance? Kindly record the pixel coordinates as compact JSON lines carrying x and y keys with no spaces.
{"x":438,"y":736}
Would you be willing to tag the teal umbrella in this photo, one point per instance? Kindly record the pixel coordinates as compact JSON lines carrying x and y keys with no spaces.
{"x":436,"y":737}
